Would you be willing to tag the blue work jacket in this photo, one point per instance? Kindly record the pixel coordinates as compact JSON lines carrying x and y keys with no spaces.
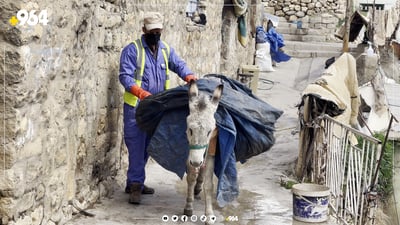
{"x":154,"y":75}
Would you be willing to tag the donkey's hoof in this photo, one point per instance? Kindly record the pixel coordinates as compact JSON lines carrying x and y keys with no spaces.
{"x":188,"y":212}
{"x":210,"y":221}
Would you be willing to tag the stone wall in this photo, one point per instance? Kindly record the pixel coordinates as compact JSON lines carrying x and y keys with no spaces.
{"x":62,"y":144}
{"x":319,"y":18}
{"x":293,"y":10}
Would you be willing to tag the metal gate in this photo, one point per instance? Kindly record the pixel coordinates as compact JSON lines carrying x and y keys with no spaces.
{"x":346,"y":161}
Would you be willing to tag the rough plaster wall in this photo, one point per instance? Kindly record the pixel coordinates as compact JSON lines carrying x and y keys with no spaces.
{"x":61,"y":100}
{"x":233,"y":54}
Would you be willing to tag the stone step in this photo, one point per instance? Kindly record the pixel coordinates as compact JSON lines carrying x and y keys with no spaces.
{"x":311,"y":54}
{"x":292,"y":30}
{"x":285,"y":24}
{"x":314,"y":46}
{"x":307,"y":42}
{"x":301,"y":37}
{"x":300,"y":49}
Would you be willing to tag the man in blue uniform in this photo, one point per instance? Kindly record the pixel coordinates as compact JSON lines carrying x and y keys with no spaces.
{"x":144,"y":70}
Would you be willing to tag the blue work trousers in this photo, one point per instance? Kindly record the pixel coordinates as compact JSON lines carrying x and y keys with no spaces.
{"x":136,"y":141}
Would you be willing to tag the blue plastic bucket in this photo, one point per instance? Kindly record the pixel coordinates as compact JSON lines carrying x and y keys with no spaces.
{"x":310,"y":202}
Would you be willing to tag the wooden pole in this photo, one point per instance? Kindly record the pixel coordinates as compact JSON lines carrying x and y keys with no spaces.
{"x":372,"y":24}
{"x":347,"y":22}
{"x":375,"y":179}
{"x":345,"y":47}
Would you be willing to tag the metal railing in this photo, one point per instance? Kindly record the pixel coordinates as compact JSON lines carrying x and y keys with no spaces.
{"x":345,"y":160}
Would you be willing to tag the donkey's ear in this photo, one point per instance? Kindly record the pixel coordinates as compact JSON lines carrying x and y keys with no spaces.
{"x":193,"y":90}
{"x":217,"y":94}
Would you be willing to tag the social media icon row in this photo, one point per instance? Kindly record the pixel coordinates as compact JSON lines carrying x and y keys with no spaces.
{"x":184,"y":218}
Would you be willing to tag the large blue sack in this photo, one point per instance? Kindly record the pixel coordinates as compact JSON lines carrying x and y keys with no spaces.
{"x":245,"y":123}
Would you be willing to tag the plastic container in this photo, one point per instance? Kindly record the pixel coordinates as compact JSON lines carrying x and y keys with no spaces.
{"x":310,"y":202}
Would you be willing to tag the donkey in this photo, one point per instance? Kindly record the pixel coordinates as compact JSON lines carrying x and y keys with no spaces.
{"x":202,"y":135}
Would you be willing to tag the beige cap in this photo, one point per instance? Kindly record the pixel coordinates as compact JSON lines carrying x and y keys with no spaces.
{"x":153,"y":20}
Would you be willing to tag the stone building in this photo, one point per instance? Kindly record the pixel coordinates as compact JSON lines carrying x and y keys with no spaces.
{"x":61,"y":132}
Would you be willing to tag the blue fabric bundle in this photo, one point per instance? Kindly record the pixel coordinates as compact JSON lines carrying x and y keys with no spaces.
{"x":261,"y":37}
{"x":276,"y":43}
{"x":245,"y":123}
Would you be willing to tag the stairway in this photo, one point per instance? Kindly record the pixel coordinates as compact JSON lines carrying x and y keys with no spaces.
{"x":303,"y":42}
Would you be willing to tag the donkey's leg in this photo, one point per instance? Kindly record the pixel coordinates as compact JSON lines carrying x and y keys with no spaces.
{"x":209,"y":174}
{"x":199,"y":182}
{"x":191,"y":176}
{"x":209,"y":186}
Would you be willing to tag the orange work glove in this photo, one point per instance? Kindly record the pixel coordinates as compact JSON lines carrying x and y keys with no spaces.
{"x":139,"y":92}
{"x":190,"y":77}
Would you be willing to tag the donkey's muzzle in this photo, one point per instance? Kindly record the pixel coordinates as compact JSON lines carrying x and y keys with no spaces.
{"x":195,"y":164}
{"x":197,"y":155}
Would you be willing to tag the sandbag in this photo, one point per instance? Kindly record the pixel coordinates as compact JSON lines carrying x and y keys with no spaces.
{"x":263,"y":57}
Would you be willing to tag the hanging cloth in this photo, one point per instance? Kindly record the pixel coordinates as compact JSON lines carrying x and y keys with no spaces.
{"x":240,"y":8}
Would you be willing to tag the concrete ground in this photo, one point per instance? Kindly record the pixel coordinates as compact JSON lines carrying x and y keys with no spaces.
{"x":262,"y":200}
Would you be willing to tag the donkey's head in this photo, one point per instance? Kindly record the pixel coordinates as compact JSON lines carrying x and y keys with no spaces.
{"x":200,"y":122}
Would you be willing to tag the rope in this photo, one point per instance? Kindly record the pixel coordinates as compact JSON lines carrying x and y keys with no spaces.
{"x":266,"y":81}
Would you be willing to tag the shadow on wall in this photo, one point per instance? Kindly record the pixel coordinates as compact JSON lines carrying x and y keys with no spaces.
{"x":103,"y":161}
{"x":109,"y":164}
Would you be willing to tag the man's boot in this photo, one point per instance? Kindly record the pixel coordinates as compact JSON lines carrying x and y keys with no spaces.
{"x":145,"y":191}
{"x":136,"y":193}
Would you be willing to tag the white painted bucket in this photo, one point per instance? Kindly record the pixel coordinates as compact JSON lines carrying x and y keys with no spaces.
{"x":310,"y":202}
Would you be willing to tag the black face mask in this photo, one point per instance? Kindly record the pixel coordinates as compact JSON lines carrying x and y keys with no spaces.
{"x":152,"y":39}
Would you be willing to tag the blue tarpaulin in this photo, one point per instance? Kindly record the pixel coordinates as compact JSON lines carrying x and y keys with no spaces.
{"x":245,"y":123}
{"x":276,"y":43}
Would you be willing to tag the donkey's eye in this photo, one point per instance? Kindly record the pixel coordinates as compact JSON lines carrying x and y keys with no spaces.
{"x":190,"y":132}
{"x":208,"y":133}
